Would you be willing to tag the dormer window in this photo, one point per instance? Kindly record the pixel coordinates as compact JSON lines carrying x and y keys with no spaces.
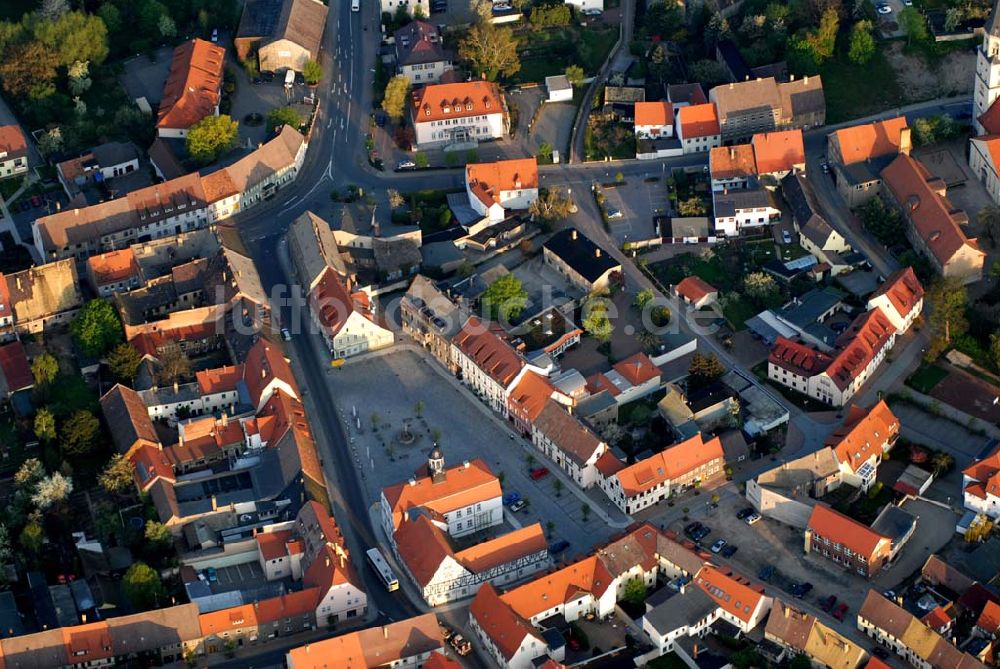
{"x":446,"y":109}
{"x":468,"y":106}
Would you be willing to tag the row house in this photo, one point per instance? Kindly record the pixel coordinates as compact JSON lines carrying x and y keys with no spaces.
{"x":470,"y":111}
{"x":732,"y":168}
{"x":901,"y":299}
{"x":187,"y":203}
{"x":698,"y":127}
{"x":13,"y":151}
{"x":414,"y":642}
{"x":488,"y":364}
{"x":765,"y":105}
{"x":529,"y":398}
{"x":981,"y":486}
{"x":674,"y":469}
{"x":346,"y":319}
{"x":895,"y":628}
{"x":41,"y":297}
{"x":579,"y":259}
{"x":857,"y":155}
{"x":768,"y":158}
{"x":460,"y":500}
{"x":847,"y":542}
{"x":443,"y":574}
{"x":431,"y":318}
{"x":113,"y":272}
{"x":933,"y":223}
{"x":860,"y":443}
{"x":568,"y":442}
{"x":496,"y":188}
{"x":800,"y":633}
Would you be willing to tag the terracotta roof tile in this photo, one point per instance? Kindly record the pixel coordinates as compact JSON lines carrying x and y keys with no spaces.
{"x":864,"y":431}
{"x":778,"y":151}
{"x":529,"y":396}
{"x":487,"y":180}
{"x":860,"y":344}
{"x":191,"y":91}
{"x":489,"y":352}
{"x":838,"y":528}
{"x":798,"y":358}
{"x":870,"y":140}
{"x":589,"y":575}
{"x":500,"y":622}
{"x":990,"y":119}
{"x":903,"y":290}
{"x":219,"y":379}
{"x":730,"y":162}
{"x":12,"y":141}
{"x":568,"y":434}
{"x":113,"y":266}
{"x":989,"y":619}
{"x":505,"y":548}
{"x":637,"y":369}
{"x":657,"y":113}
{"x":671,"y":463}
{"x":698,"y":121}
{"x":15,"y":368}
{"x":732,"y":592}
{"x":694,"y":288}
{"x":462,"y":485}
{"x":471,"y":98}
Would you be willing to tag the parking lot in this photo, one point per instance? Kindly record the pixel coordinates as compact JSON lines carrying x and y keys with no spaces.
{"x":639,"y":200}
{"x":393,"y":382}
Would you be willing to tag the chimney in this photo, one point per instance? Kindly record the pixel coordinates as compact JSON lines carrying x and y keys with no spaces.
{"x":326,"y":559}
{"x":694,"y":652}
{"x":732,"y":152}
{"x":572,"y":236}
{"x":905,"y":141}
{"x":176,"y":387}
{"x":225,"y":419}
{"x":805,"y":80}
{"x":597,"y":253}
{"x":385,"y":631}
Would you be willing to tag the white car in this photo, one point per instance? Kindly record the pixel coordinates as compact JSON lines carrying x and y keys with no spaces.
{"x":883,"y":9}
{"x":718,"y":546}
{"x":614,"y":213}
{"x":518,"y":505}
{"x":591,"y":12}
{"x":286,"y":335}
{"x":752,"y":518}
{"x":215,"y":34}
{"x":405,"y":165}
{"x":786,"y":237}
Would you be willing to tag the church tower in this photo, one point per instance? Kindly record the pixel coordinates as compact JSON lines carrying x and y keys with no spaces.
{"x":435,"y":465}
{"x":987,"y":86}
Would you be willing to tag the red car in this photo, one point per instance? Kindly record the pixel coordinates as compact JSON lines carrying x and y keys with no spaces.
{"x":36,"y":201}
{"x":539,"y":473}
{"x":840,"y":611}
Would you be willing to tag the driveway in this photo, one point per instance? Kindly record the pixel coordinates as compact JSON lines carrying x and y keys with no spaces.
{"x":923,"y":427}
{"x":144,"y":75}
{"x":554,"y":126}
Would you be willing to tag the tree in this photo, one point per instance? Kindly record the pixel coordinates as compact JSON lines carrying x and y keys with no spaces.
{"x":421,"y":160}
{"x":823,"y":40}
{"x":953,"y":18}
{"x":693,"y":206}
{"x":552,"y":205}
{"x":483,"y":9}
{"x":418,"y":408}
{"x":942,"y":462}
{"x":862,"y":43}
{"x":759,"y":285}
{"x":800,"y":661}
{"x":648,"y":340}
{"x":948,"y":300}
{"x":51,"y":490}
{"x":557,"y":485}
{"x":395,"y":199}
{"x":545,"y":151}
{"x":116,"y":477}
{"x":989,"y":219}
{"x":28,"y":70}
{"x":53,"y":9}
{"x":74,"y":36}
{"x":505,"y":298}
{"x":111,"y":16}
{"x":883,"y":221}
{"x":28,"y":475}
{"x":312,"y":72}
{"x":96,"y":328}
{"x":124,"y":361}
{"x":635,"y":592}
{"x":280,"y":116}
{"x":212,"y":136}
{"x":575,"y":75}
{"x":78,"y":76}
{"x":45,"y":425}
{"x":174,"y":365}
{"x":418,"y":12}
{"x":33,"y":537}
{"x":491,"y":51}
{"x":396,"y":97}
{"x":643,"y":298}
{"x":595,"y":318}
{"x":912,"y":22}
{"x":142,"y":586}
{"x":158,"y":535}
{"x":79,"y":433}
{"x":44,"y":369}
{"x":585,"y":510}
{"x":166,"y":26}
{"x":50,"y":142}
{"x":704,"y":370}
{"x":708,"y":72}
{"x":6,"y":550}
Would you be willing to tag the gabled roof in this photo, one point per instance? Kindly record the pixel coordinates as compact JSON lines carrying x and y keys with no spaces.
{"x":656,"y":113}
{"x":731,"y":162}
{"x":860,"y":343}
{"x":44,"y":290}
{"x":419,"y":42}
{"x":531,"y":394}
{"x":670,"y":463}
{"x":798,"y":358}
{"x":789,"y":626}
{"x":778,"y":151}
{"x":841,"y":529}
{"x":863,"y":433}
{"x":191,"y":91}
{"x":423,"y":548}
{"x":588,"y":576}
{"x":939,"y":573}
{"x":468,"y":98}
{"x":113,"y":266}
{"x":219,"y":379}
{"x":265,"y":364}
{"x":692,"y":93}
{"x":698,"y":120}
{"x":903,"y":290}
{"x":215,"y":623}
{"x":499,"y":621}
{"x":934,"y":218}
{"x":490,"y":353}
{"x":15,"y":368}
{"x":743,"y":96}
{"x":694,"y":288}
{"x":128,"y":419}
{"x":462,"y":485}
{"x":989,"y":619}
{"x":482,"y":557}
{"x":581,"y":254}
{"x":297,"y":604}
{"x":332,"y":302}
{"x":12,"y":141}
{"x":802,"y":96}
{"x":870,"y":140}
{"x":990,"y":119}
{"x":731,"y":591}
{"x":567,"y":433}
{"x":488,"y":180}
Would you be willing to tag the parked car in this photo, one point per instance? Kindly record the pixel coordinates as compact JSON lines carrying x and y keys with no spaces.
{"x":701,"y":533}
{"x":800,"y":590}
{"x":511,"y":498}
{"x":215,"y":34}
{"x":786,"y":237}
{"x":36,"y":201}
{"x":718,"y":546}
{"x":405,"y":165}
{"x":828,"y":603}
{"x":558,"y":547}
{"x":591,"y":12}
{"x":752,"y":518}
{"x":461,"y":645}
{"x":614,"y":213}
{"x":538,"y":473}
{"x":883,"y":9}
{"x":840,"y":611}
{"x":286,"y":335}
{"x":743,"y":514}
{"x":691,"y":528}
{"x":729,"y":551}
{"x":518,"y":505}
{"x":211,"y":575}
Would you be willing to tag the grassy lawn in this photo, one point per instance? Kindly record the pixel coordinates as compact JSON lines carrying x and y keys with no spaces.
{"x":737,"y":312}
{"x":545,"y":53}
{"x":853,"y":91}
{"x":924,"y":379}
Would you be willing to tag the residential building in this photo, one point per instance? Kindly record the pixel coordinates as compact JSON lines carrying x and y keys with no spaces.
{"x":488,"y":364}
{"x":113,"y":272}
{"x":683,"y":95}
{"x":567,"y":442}
{"x":499,"y":187}
{"x":867,"y":434}
{"x":778,"y":154}
{"x":698,"y":127}
{"x":346,"y":319}
{"x":193,"y":87}
{"x":786,"y":493}
{"x":847,"y":542}
{"x":628,"y":380}
{"x":800,"y":633}
{"x":898,"y":630}
{"x":185,"y":204}
{"x":857,"y":155}
{"x":431,"y":318}
{"x":13,"y":151}
{"x":981,"y":486}
{"x":901,"y":299}
{"x":15,"y":371}
{"x":654,"y":120}
{"x":742,"y":603}
{"x":816,"y":235}
{"x":619,"y":101}
{"x":732,"y":167}
{"x":584,"y":263}
{"x":313,"y":248}
{"x":672,"y":470}
{"x":443,"y":574}
{"x":392,"y":6}
{"x":933,"y":223}
{"x":740,"y":211}
{"x":529,"y":397}
{"x":461,"y":500}
{"x":507,"y":638}
{"x":458,"y":113}
{"x":697,"y":292}
{"x":689,"y":613}
{"x":99,"y":164}
{"x":44,"y":296}
{"x":404,"y":643}
{"x":420,"y":53}
{"x":987,"y":83}
{"x":764,"y":105}
{"x":283,"y":34}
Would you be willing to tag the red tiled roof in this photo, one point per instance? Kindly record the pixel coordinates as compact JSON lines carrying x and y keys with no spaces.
{"x":637,"y":369}
{"x":989,"y":619}
{"x":225,"y":620}
{"x":903,"y":290}
{"x":694,"y":288}
{"x":331,"y":567}
{"x":529,"y":396}
{"x":489,"y":352}
{"x":798,"y":358}
{"x":838,"y":528}
{"x":462,"y":485}
{"x":657,"y":113}
{"x":150,"y":463}
{"x":88,"y":643}
{"x":567,"y":433}
{"x":860,"y":343}
{"x":219,"y":379}
{"x":875,"y":663}
{"x":469,"y":98}
{"x":934,"y":218}
{"x":180,"y":326}
{"x":271,"y":545}
{"x":12,"y":141}
{"x":778,"y":151}
{"x":423,"y":547}
{"x":870,"y":140}
{"x":990,"y":119}
{"x":499,"y":621}
{"x":729,"y":162}
{"x":439,"y":661}
{"x":669,"y":464}
{"x":609,"y":464}
{"x":15,"y":367}
{"x":113,"y":266}
{"x":191,"y":91}
{"x":505,"y":548}
{"x":864,"y":431}
{"x":5,"y":307}
{"x":265,"y":363}
{"x":936,"y":618}
{"x":333,"y":303}
{"x":290,"y":605}
{"x":488,"y":180}
{"x":731,"y":591}
{"x":589,"y":575}
{"x":698,"y":121}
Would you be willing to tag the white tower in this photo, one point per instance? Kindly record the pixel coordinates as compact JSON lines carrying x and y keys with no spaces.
{"x":987,"y":86}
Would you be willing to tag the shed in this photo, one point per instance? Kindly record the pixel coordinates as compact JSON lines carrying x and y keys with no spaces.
{"x":559,"y":88}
